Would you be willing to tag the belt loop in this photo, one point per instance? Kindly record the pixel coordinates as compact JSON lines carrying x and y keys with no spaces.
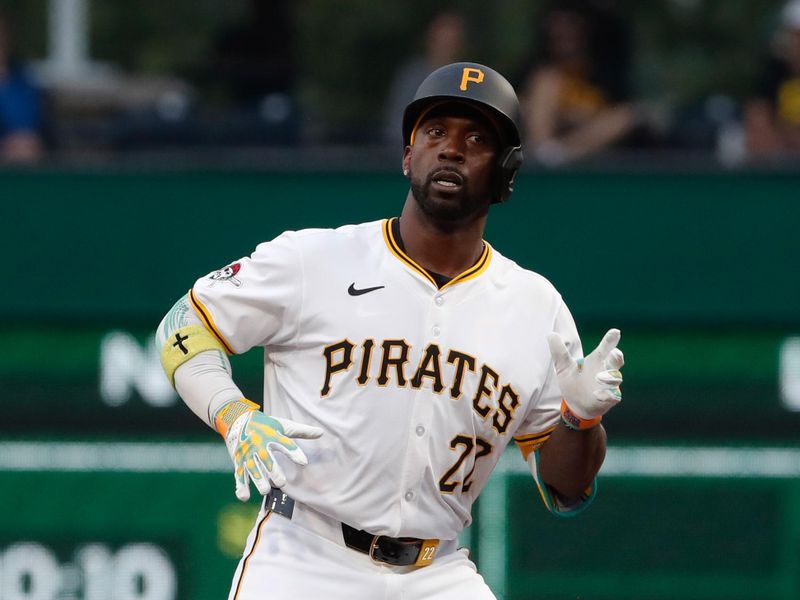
{"x":278,"y":502}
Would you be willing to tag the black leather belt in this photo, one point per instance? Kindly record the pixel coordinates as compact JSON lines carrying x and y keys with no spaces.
{"x":400,"y":552}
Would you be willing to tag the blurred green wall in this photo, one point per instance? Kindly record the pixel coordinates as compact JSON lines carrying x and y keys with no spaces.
{"x":639,"y":248}
{"x":697,"y":270}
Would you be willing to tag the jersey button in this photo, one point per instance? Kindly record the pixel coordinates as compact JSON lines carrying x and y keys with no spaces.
{"x":409,"y":495}
{"x":439,"y":300}
{"x":420,"y":430}
{"x":436,"y":331}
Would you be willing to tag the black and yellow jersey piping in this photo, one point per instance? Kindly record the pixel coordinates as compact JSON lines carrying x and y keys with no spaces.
{"x":395,"y":248}
{"x":208,"y":321}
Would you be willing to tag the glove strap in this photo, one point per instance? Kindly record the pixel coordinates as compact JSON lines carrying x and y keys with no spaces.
{"x":574,"y":422}
{"x":230,"y":412}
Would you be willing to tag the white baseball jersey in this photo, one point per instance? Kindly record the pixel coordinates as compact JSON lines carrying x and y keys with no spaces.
{"x":418,"y":389}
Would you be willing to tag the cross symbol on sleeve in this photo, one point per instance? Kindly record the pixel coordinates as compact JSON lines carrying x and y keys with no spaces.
{"x":179,"y":343}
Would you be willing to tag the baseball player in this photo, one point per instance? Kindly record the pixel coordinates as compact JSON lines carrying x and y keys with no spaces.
{"x":400,"y":359}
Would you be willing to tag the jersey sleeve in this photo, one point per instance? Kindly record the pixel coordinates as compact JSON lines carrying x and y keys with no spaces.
{"x":544,"y":410}
{"x":542,"y":417}
{"x":256,"y":300}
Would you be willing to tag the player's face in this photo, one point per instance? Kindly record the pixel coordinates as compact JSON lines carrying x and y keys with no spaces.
{"x":452,"y":165}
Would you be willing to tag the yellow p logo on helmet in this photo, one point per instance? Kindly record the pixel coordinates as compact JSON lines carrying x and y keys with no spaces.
{"x":470,"y":74}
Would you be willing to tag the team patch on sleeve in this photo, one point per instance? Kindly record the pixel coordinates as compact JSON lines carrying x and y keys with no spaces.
{"x":227,"y":275}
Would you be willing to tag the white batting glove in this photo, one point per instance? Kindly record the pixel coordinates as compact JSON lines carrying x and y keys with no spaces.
{"x":253,"y":438}
{"x":589,"y":386}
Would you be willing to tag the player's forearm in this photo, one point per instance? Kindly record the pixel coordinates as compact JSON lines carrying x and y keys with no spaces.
{"x":200,"y":373}
{"x":570,"y":460}
{"x":205,"y":384}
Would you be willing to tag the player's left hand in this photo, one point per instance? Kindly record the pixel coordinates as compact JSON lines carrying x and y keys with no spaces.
{"x":589,"y":386}
{"x":252,"y":440}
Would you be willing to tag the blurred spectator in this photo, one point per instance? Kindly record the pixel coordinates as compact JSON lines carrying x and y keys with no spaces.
{"x":444,"y":44}
{"x":20,"y":106}
{"x":772,"y":115}
{"x":254,"y":62}
{"x":577,"y":98}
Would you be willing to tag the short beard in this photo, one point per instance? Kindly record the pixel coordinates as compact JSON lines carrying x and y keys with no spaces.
{"x":450,"y":214}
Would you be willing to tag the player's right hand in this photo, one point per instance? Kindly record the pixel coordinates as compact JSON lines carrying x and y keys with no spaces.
{"x":252,"y":440}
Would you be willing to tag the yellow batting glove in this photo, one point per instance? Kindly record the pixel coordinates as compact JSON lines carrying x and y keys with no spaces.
{"x":252,"y":437}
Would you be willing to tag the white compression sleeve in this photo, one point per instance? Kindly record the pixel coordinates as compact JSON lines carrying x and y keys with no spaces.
{"x":203,"y":382}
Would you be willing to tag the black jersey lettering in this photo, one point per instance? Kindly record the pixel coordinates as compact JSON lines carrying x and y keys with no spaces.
{"x":429,"y":367}
{"x":484,"y":391}
{"x":395,"y":354}
{"x":461,"y":361}
{"x":338,"y":357}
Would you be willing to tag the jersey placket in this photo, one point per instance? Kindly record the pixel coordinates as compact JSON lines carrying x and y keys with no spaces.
{"x":420,"y":426}
{"x":432,"y":330}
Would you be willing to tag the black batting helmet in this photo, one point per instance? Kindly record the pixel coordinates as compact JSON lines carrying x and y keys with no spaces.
{"x":476,"y":84}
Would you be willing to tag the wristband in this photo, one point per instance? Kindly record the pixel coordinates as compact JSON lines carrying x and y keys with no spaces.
{"x":230,"y":412}
{"x":574,"y":422}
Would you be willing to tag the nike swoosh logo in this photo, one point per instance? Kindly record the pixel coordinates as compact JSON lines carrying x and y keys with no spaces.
{"x":354,"y":292}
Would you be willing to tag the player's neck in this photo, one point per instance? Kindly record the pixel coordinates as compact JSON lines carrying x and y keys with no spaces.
{"x":449,"y":252}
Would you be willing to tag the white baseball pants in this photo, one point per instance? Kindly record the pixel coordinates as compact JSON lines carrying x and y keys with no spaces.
{"x":303,"y":559}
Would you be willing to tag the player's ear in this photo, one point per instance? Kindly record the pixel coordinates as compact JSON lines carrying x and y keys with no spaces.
{"x":406,"y":160}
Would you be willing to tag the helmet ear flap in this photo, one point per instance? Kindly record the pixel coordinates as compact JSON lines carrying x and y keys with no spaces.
{"x":509,"y":163}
